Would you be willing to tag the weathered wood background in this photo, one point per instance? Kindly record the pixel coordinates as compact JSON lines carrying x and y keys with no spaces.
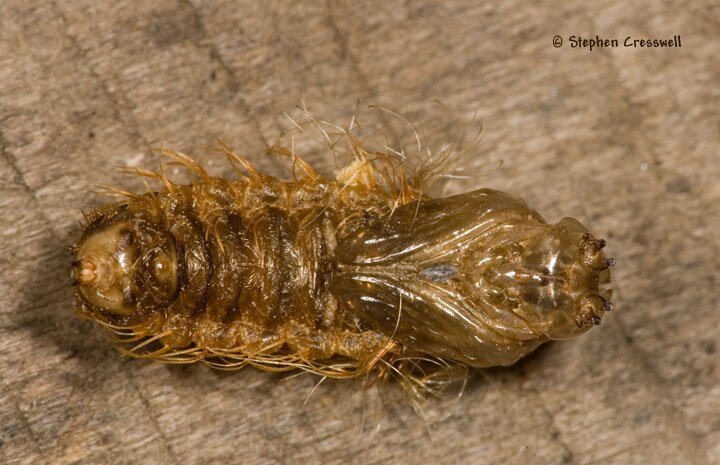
{"x":626,"y":140}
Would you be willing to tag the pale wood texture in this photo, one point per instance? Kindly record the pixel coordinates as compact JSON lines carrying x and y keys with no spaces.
{"x":626,"y":140}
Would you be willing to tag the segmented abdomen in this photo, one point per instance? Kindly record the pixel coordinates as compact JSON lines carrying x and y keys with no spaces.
{"x":257,"y":266}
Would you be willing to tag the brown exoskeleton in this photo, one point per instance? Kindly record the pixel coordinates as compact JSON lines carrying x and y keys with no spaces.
{"x":339,"y":277}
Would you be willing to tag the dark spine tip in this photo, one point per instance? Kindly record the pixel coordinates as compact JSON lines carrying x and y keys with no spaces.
{"x":609,"y":262}
{"x":600,"y":243}
{"x":608,"y":306}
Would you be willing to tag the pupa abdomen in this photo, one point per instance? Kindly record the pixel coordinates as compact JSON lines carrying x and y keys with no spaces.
{"x":334,"y":276}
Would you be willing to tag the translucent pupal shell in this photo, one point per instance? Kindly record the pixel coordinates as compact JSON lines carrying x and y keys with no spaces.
{"x":477,"y":277}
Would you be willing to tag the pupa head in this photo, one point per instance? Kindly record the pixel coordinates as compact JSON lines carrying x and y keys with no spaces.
{"x":554,"y":278}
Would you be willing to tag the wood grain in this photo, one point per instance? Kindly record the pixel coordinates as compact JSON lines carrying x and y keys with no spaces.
{"x":626,"y":140}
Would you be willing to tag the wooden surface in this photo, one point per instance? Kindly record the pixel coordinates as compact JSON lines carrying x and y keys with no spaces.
{"x":626,"y":140}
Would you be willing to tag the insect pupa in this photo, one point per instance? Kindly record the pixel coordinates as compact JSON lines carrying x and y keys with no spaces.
{"x":362,"y":275}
